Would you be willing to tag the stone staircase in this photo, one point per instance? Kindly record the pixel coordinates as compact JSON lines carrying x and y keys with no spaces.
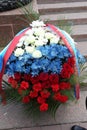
{"x":73,"y":11}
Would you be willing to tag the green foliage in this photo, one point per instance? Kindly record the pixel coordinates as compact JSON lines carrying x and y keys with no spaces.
{"x":53,"y":106}
{"x":69,"y":93}
{"x":73,"y":79}
{"x":29,"y":13}
{"x":32,"y":110}
{"x":83,"y":75}
{"x":12,"y":94}
{"x":65,"y":25}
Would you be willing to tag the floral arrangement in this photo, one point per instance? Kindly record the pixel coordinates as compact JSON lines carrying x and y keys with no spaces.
{"x":42,"y":69}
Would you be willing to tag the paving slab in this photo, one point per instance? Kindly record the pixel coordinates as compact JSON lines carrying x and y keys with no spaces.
{"x":68,"y":126}
{"x":12,"y":115}
{"x":54,"y":127}
{"x":34,"y":128}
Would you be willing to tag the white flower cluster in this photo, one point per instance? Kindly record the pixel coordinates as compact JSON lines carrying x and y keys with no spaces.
{"x":39,"y":35}
{"x":37,"y":23}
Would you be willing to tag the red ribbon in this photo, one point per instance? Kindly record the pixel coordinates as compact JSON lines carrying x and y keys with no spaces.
{"x":6,"y":57}
{"x":58,"y":32}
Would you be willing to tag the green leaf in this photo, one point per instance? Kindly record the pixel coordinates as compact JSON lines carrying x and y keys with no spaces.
{"x":63,"y":24}
{"x":53,"y":106}
{"x":69,"y":93}
{"x":73,"y":80}
{"x":29,"y":13}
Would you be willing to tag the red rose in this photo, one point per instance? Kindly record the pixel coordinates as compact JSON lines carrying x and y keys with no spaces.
{"x":54,"y":78}
{"x":40,"y":100}
{"x":43,"y":76}
{"x":60,"y":98}
{"x":46,"y":84}
{"x":55,"y":87}
{"x":72,"y":70}
{"x":44,"y":107}
{"x":64,"y":85}
{"x":20,"y":91}
{"x":71,"y":61}
{"x":14,"y":84}
{"x":17,"y":76}
{"x":45,"y":94}
{"x":67,"y":71}
{"x":35,"y":79}
{"x":10,"y":79}
{"x":24,"y":85}
{"x":27,"y":77}
{"x":37,"y":87}
{"x":65,"y":74}
{"x":26,"y":99}
{"x":33,"y":94}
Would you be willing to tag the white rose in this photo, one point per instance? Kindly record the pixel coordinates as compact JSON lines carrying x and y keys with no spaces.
{"x":19,"y":44}
{"x":30,"y":49}
{"x":22,"y":39}
{"x":39,"y":43}
{"x":55,"y":40}
{"x":49,"y":35}
{"x":29,"y":32}
{"x":18,"y":52}
{"x":37,"y":54}
{"x":37,"y":23}
{"x":39,"y":31}
{"x":45,"y":41}
{"x":30,"y":39}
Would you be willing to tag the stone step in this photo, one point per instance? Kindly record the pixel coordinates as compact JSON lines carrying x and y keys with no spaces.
{"x":82,"y":47}
{"x":57,"y":1}
{"x":79,"y":32}
{"x":62,"y":7}
{"x":74,"y":18}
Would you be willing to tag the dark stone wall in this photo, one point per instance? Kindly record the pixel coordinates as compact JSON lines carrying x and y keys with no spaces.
{"x":9,"y":26}
{"x":11,"y":22}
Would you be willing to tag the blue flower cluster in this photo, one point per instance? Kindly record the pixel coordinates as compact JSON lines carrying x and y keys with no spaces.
{"x":80,"y":57}
{"x":53,"y":57}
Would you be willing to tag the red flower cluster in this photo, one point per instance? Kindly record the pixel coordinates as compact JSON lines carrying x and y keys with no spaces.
{"x":43,"y":86}
{"x":67,"y":70}
{"x":61,"y":98}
